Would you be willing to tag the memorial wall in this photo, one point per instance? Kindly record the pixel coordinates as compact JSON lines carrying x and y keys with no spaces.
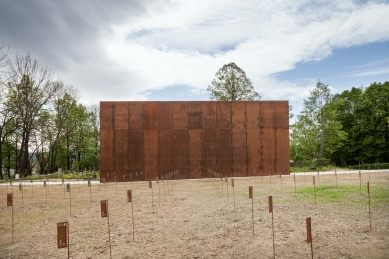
{"x":143,"y":140}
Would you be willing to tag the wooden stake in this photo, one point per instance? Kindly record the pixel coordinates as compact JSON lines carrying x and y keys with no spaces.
{"x":129,"y":199}
{"x":10,"y":203}
{"x":309,"y":234}
{"x":105,"y":213}
{"x":368,"y":192}
{"x":314,"y":188}
{"x":233,"y":190}
{"x":272,"y":222}
{"x":252,"y":205}
{"x":294,"y":179}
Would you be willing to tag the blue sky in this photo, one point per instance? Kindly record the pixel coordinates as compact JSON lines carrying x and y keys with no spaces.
{"x":171,"y":50}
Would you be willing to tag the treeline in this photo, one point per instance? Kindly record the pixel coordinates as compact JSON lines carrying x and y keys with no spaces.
{"x":349,"y":128}
{"x":42,"y":125}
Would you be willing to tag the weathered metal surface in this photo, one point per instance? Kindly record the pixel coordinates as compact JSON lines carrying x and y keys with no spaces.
{"x":145,"y":140}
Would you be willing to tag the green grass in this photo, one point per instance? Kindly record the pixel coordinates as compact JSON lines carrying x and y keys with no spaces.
{"x":345,"y":193}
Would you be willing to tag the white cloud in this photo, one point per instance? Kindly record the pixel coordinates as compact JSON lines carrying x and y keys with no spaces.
{"x":186,"y":42}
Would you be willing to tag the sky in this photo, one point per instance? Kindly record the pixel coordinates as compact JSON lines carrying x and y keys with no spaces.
{"x":170,"y":50}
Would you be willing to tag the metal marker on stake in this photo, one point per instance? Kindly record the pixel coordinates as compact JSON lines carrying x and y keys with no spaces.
{"x":233,"y":190}
{"x":10,"y":203}
{"x":272,"y":221}
{"x":105,"y":213}
{"x":368,"y":192}
{"x":294,"y":179}
{"x":252,"y":205}
{"x":309,"y":234}
{"x":90,"y":189}
{"x":63,"y":239}
{"x":21,"y":189}
{"x":314,"y":188}
{"x":129,"y":199}
{"x":152,"y":195}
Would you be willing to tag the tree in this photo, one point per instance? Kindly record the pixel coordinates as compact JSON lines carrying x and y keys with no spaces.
{"x":317,"y":131}
{"x":232,"y":84}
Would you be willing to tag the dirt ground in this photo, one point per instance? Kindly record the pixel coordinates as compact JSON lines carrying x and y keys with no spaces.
{"x":193,"y":219}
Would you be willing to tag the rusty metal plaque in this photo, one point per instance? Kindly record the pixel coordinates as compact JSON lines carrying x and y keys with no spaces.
{"x":270,"y":204}
{"x":89,"y":185}
{"x":9,"y":199}
{"x":44,"y":183}
{"x":68,"y":187}
{"x":62,"y":234}
{"x":309,"y":230}
{"x":20,"y":187}
{"x":129,"y":195}
{"x":250,"y":192}
{"x":104,"y":208}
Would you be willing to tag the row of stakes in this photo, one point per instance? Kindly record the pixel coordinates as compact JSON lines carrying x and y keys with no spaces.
{"x":63,"y":227}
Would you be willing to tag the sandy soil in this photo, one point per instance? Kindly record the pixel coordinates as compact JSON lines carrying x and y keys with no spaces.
{"x":191,"y":219}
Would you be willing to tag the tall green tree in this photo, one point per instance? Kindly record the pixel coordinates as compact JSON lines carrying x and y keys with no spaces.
{"x":316,"y":130}
{"x":232,"y":84}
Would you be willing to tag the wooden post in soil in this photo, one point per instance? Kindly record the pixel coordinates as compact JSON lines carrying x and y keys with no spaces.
{"x":152,"y":195}
{"x":368,"y":193}
{"x":252,"y":205}
{"x":294,"y":179}
{"x":129,"y":199}
{"x":309,"y":234}
{"x":10,"y":203}
{"x":233,"y":190}
{"x":226,"y":179}
{"x":21,"y":189}
{"x":272,"y":222}
{"x":105,"y":213}
{"x":314,"y":188}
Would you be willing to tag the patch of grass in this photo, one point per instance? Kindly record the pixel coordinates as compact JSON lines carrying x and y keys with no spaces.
{"x":342,"y":193}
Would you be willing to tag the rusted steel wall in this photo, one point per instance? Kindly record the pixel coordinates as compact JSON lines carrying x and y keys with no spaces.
{"x":146,"y":140}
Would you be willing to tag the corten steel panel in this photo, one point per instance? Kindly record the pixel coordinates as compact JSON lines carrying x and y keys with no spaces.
{"x":106,"y":115}
{"x":223,"y":115}
{"x":224,"y":152}
{"x":151,"y":152}
{"x":239,"y":150}
{"x":150,"y":115}
{"x":136,"y":115}
{"x":179,"y":115}
{"x":209,"y":115}
{"x":231,"y":138}
{"x":165,"y":159}
{"x":253,"y":148}
{"x":136,"y":143}
{"x":121,"y":115}
{"x":238,"y":115}
{"x":268,"y":137}
{"x":252,"y":114}
{"x":165,"y":115}
{"x":195,"y":153}
{"x":210,"y":148}
{"x":195,"y":116}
